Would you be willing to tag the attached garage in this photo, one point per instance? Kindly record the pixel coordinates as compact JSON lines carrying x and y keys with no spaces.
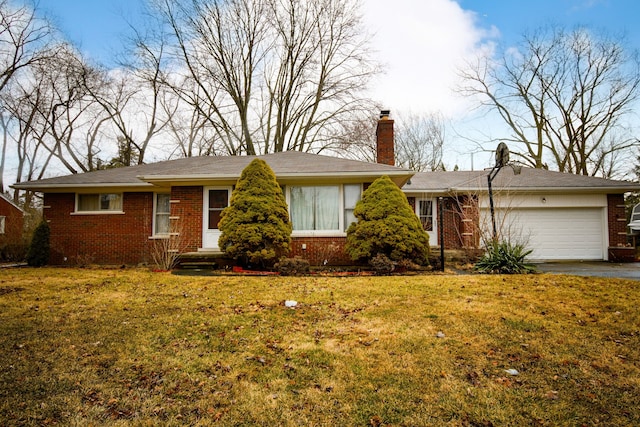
{"x":559,"y":216}
{"x":560,"y":233}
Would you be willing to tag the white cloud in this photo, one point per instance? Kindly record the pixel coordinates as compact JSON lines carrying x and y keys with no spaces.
{"x":422,"y":43}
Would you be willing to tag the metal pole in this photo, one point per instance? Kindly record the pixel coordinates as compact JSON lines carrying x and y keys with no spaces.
{"x":490,"y":177}
{"x":441,"y":227}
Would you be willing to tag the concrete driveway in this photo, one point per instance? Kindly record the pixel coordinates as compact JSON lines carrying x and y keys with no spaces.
{"x":593,"y":268}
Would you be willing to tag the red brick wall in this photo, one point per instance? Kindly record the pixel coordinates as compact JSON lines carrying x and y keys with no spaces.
{"x":617,"y":219}
{"x":461,"y":222}
{"x":113,"y":239}
{"x":385,"y":142}
{"x":13,"y":223}
{"x":186,"y":214}
{"x":319,"y":249}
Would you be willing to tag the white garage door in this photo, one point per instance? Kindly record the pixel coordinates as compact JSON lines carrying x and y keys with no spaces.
{"x":562,"y":233}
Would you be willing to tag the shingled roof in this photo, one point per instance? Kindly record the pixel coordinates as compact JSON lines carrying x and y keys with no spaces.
{"x":529,"y":180}
{"x":286,"y":165}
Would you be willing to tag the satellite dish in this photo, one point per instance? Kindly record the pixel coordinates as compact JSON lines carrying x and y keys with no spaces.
{"x":502,"y":154}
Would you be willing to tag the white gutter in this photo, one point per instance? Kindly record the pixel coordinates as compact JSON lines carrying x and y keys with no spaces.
{"x":42,"y":187}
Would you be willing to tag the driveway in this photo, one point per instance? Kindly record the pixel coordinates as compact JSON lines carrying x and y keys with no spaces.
{"x":593,"y":268}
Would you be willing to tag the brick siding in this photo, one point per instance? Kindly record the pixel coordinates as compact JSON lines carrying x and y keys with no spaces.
{"x":113,"y":239}
{"x":617,"y":219}
{"x":319,"y":249}
{"x":186,"y":216}
{"x":618,"y":249}
{"x":13,"y":224}
{"x":385,"y":142}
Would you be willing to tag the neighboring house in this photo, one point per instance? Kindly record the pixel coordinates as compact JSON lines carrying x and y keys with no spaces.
{"x":118,"y":216}
{"x":11,"y":222}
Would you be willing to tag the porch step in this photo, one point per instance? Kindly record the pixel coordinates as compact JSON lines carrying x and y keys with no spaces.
{"x":202,"y":260}
{"x":198,"y":265}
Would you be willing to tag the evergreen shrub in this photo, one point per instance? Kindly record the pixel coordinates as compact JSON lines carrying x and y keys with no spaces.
{"x":255,"y":227}
{"x":386,"y":224}
{"x":39,"y":249}
{"x":295,"y":266}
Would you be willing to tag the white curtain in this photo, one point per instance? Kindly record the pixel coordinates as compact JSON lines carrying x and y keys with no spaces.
{"x":315,"y":208}
{"x":302,"y":201}
{"x":327,"y":208}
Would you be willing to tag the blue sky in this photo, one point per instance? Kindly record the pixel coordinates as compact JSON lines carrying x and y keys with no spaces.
{"x":420,"y":41}
{"x":96,"y":25}
{"x":416,"y":35}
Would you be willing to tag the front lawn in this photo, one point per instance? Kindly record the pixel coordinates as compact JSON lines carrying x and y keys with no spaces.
{"x":132,"y":347}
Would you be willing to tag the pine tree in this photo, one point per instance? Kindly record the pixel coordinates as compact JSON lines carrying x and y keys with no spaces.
{"x":39,"y":249}
{"x":255,"y":226}
{"x":386,"y":225}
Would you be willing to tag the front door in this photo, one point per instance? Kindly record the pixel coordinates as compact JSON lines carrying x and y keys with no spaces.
{"x":425,"y":209}
{"x":215,"y":200}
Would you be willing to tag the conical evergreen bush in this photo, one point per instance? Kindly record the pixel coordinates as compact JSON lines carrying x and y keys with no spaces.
{"x":39,"y":249}
{"x":255,"y":226}
{"x":386,"y":225}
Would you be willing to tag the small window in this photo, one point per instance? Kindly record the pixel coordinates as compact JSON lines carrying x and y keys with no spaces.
{"x":106,"y":202}
{"x":352,"y":194}
{"x":2,"y":221}
{"x":162,"y":211}
{"x":218,"y":201}
{"x":425,"y":213}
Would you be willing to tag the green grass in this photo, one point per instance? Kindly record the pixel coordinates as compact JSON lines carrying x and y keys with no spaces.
{"x":131,"y":347}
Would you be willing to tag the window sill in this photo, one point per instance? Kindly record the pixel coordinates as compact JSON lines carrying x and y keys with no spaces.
{"x":159,"y":237}
{"x":312,"y":233}
{"x":98,"y":213}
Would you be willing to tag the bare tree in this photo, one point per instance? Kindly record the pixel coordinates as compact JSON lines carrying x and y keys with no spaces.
{"x":67,"y":109}
{"x":271,"y":75}
{"x":357,"y":138}
{"x":564,"y":96}
{"x":23,"y":42}
{"x":420,"y":141}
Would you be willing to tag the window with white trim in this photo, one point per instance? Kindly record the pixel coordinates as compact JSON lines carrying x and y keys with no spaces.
{"x":323,"y":208}
{"x":352,"y":194}
{"x":103,"y":202}
{"x":2,"y":224}
{"x":162,"y":209}
{"x":315,"y":208}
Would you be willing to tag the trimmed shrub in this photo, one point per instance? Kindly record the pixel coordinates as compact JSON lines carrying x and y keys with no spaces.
{"x":38,"y":253}
{"x":505,"y":258}
{"x":255,"y":226}
{"x":386,"y":225}
{"x":382,"y":265}
{"x":295,"y":266}
{"x":13,"y":252}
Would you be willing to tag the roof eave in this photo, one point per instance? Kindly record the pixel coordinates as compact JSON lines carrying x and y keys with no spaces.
{"x":43,"y":188}
{"x":399,"y":177}
{"x":604,"y":190}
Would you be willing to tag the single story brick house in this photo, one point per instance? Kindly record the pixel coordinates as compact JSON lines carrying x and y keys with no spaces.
{"x":11,"y":222}
{"x":116,"y":216}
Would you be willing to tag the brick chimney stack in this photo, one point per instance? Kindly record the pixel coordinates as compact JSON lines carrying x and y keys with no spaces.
{"x":384,"y":140}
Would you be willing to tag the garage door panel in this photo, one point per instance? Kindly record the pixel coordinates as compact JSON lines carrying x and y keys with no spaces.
{"x":558,"y":234}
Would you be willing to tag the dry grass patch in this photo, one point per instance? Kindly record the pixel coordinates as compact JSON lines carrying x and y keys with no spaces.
{"x":112,"y":347}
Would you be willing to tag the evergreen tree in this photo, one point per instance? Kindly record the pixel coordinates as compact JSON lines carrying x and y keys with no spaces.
{"x":386,"y":225}
{"x":38,"y":253}
{"x":255,"y":226}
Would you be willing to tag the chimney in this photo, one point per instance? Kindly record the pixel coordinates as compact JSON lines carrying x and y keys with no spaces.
{"x":384,"y":140}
